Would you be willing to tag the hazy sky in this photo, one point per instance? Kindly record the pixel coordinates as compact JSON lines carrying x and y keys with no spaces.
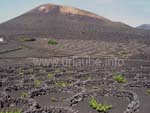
{"x":132,"y":12}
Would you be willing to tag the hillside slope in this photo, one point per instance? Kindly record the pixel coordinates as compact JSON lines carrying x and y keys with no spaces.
{"x":67,"y":22}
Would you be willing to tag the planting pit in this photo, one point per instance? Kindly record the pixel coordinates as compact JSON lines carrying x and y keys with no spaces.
{"x":57,"y":99}
{"x":118,"y":104}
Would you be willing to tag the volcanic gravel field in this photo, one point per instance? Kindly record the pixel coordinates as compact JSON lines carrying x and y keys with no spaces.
{"x":61,"y":89}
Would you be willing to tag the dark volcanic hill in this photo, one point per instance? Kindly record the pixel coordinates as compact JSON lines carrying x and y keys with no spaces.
{"x":144,"y":26}
{"x":66,"y":22}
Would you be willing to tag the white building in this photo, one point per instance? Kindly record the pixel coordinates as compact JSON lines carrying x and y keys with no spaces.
{"x":1,"y":39}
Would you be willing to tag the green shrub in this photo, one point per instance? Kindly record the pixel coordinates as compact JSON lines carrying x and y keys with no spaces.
{"x":123,"y":54}
{"x":15,"y":111}
{"x":89,"y":78}
{"x":26,"y":39}
{"x":53,"y":99}
{"x":52,"y":42}
{"x":50,"y":75}
{"x":62,"y":84}
{"x":24,"y":94}
{"x":120,"y":79}
{"x":37,"y":82}
{"x":58,"y":70}
{"x":21,"y":71}
{"x":93,"y":103}
{"x":147,"y":92}
{"x":99,"y":107}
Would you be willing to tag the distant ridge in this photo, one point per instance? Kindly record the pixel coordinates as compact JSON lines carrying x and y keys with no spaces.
{"x":144,"y":26}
